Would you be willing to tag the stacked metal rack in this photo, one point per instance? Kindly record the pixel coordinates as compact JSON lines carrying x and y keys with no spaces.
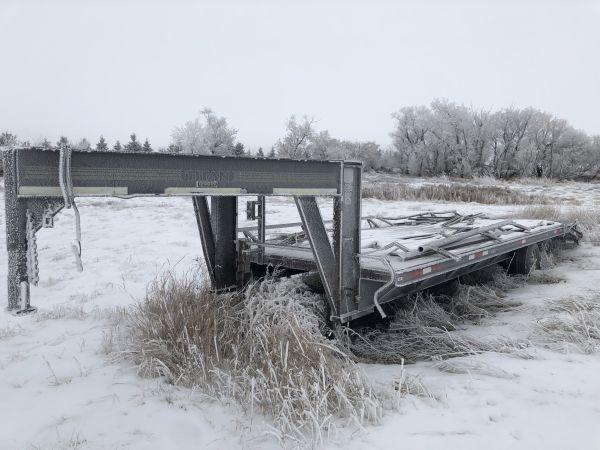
{"x":401,"y":255}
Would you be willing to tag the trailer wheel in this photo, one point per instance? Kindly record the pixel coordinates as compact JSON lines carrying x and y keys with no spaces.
{"x":525,"y":260}
{"x":313,"y":281}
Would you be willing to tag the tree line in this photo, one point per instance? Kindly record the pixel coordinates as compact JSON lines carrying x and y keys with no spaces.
{"x":443,"y":138}
{"x":461,"y":141}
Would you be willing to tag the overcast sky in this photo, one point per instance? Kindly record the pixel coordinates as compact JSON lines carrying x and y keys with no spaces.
{"x":85,"y":68}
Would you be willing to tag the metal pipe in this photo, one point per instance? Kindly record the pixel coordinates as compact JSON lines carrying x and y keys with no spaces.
{"x":461,"y":236}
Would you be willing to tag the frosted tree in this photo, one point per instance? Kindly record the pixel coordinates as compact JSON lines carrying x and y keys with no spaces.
{"x":322,"y":146}
{"x":101,"y":144}
{"x":508,"y":141}
{"x":62,"y":141}
{"x":173,"y":148}
{"x":133,"y":145}
{"x":260,"y":153}
{"x":117,"y":147}
{"x":8,"y":139}
{"x":412,"y":140}
{"x":238,"y":149}
{"x":83,"y":144}
{"x":296,"y":142}
{"x":147,"y":148}
{"x":207,"y":134}
{"x":547,"y":134}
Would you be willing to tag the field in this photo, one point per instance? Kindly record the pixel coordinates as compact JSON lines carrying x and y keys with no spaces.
{"x":63,"y":383}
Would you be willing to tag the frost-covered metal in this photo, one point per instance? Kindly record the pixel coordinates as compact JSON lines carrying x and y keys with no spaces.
{"x":360,"y":270}
{"x":41,"y":182}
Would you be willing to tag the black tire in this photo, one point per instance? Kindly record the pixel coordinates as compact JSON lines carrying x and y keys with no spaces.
{"x":525,"y":260}
{"x":313,"y":281}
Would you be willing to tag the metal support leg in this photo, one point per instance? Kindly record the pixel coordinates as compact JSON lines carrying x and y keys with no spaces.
{"x":314,"y":227}
{"x":346,"y":238}
{"x":16,"y":239}
{"x":339,"y":267}
{"x":223,"y":220}
{"x":206,"y":234}
{"x":262,"y":232}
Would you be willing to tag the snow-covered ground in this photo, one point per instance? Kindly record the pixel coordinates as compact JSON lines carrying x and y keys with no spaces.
{"x":59,"y":389}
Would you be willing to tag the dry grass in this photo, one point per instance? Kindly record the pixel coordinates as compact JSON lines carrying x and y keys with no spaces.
{"x":64,"y":311}
{"x":573,"y":324}
{"x":544,"y":278}
{"x":587,"y":219}
{"x":426,"y":327}
{"x":471,"y":366}
{"x":454,"y":192}
{"x":264,"y":350}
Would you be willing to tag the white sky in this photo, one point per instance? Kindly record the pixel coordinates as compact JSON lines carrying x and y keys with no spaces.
{"x":85,"y":68}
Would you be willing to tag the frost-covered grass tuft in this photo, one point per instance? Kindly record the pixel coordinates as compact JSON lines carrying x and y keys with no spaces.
{"x":573,"y":323}
{"x":64,"y":311}
{"x":471,"y":366}
{"x":455,"y":192}
{"x":9,"y":331}
{"x":588,"y":219}
{"x":264,"y":350}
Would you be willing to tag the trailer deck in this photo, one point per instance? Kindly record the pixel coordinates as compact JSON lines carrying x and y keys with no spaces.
{"x":407,"y":254}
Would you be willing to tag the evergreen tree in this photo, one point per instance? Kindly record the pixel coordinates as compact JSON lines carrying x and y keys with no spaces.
{"x":118,"y":147}
{"x":260,"y":153}
{"x":46,"y":143}
{"x":101,"y":145}
{"x":272,"y":153}
{"x":238,"y":149}
{"x":133,"y":145}
{"x":62,"y":141}
{"x":146,"y":147}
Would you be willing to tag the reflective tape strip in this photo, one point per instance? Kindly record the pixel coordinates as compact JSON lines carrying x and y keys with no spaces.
{"x":415,"y":273}
{"x":304,"y":191}
{"x":478,"y":254}
{"x":54,"y":191}
{"x":203,"y":190}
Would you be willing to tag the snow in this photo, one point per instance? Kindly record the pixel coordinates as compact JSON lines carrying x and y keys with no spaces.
{"x":60,"y":389}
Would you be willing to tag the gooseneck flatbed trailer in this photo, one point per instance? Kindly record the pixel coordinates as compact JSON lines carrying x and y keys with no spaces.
{"x":361,"y":263}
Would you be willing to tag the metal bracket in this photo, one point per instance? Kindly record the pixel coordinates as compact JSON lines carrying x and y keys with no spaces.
{"x":252,"y":212}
